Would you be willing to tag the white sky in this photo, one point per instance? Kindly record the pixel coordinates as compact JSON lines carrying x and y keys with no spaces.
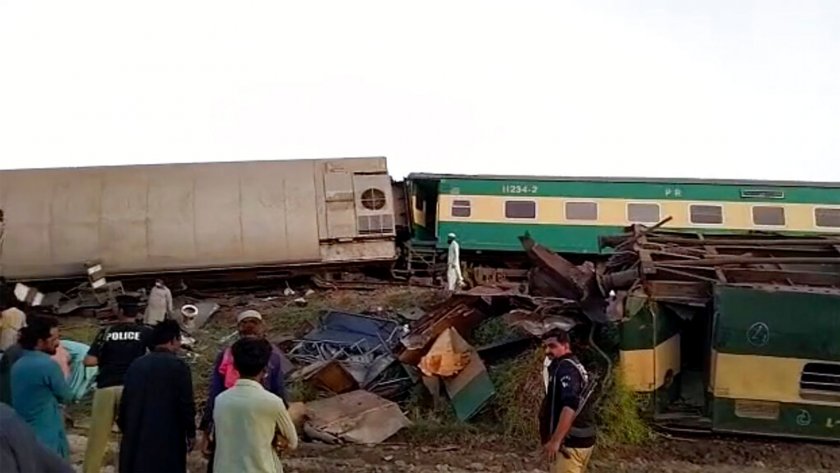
{"x":706,"y":88}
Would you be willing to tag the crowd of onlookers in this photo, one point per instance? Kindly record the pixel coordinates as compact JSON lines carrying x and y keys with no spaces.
{"x":140,"y":384}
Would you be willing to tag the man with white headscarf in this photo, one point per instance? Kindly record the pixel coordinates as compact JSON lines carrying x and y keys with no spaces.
{"x":159,"y":306}
{"x":453,"y":264}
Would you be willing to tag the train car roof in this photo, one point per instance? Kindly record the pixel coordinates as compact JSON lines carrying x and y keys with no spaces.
{"x":642,"y":180}
{"x":191,"y":163}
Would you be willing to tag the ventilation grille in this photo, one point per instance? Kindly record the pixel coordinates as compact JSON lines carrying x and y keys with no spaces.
{"x":376,"y":224}
{"x":820,"y":379}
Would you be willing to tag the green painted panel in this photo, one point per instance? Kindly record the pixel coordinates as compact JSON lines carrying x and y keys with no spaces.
{"x":637,"y":332}
{"x":468,"y":401}
{"x":635,"y":190}
{"x":776,"y":323}
{"x":795,"y":420}
{"x":505,"y":236}
{"x":422,"y":233}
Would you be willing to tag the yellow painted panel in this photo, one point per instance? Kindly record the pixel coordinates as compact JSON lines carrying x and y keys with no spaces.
{"x":613,"y":212}
{"x":762,"y":378}
{"x":646,"y":370}
{"x":637,"y":368}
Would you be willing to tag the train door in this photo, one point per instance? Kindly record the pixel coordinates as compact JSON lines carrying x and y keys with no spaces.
{"x":424,"y":204}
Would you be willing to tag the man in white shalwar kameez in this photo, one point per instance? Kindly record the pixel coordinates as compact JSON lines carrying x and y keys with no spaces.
{"x":453,"y":264}
{"x":159,"y":304}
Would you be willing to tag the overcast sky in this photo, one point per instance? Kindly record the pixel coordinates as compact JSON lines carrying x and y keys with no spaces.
{"x":707,"y":88}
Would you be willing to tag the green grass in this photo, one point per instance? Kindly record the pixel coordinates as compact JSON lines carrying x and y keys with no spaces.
{"x":79,"y":329}
{"x":519,"y":393}
{"x":491,"y":330}
{"x":300,"y":391}
{"x":619,"y":415}
{"x":435,"y":424}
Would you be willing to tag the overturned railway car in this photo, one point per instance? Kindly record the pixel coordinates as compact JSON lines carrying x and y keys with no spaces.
{"x":202,"y":216}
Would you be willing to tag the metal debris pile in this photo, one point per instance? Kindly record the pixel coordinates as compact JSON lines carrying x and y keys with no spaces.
{"x":682,"y":268}
{"x":351,"y":351}
{"x":351,"y":358}
{"x":549,"y":298}
{"x":356,"y":356}
{"x":96,"y":293}
{"x":356,"y":417}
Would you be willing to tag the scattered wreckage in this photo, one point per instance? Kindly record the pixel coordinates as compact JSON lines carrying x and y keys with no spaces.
{"x":730,"y":333}
{"x":726,"y":333}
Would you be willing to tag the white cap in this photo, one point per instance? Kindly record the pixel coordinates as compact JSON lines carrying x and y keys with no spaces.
{"x":248,"y":314}
{"x":451,"y":235}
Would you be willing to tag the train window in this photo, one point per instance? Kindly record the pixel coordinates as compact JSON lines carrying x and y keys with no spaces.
{"x":772,"y":216}
{"x":643,"y":213}
{"x":824,"y":217}
{"x":820,"y":380}
{"x":581,"y":211}
{"x":706,"y":214}
{"x":373,"y":199}
{"x":520,"y":209}
{"x":461,"y":208}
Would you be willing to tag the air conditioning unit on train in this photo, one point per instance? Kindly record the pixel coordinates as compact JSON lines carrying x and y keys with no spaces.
{"x":374,"y":204}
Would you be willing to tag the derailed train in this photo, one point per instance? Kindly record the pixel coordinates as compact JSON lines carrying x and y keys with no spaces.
{"x":208,"y":216}
{"x":205,"y":216}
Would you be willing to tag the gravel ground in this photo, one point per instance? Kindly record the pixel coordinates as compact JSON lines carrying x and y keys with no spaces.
{"x":666,"y":456}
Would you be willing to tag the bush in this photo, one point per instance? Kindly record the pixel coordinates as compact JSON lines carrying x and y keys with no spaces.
{"x":519,"y":393}
{"x":619,"y":414}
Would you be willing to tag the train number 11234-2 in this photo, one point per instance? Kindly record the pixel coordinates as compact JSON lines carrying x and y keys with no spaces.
{"x":519,"y":189}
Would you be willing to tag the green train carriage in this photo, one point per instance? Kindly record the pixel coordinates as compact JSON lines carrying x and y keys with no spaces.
{"x":764,"y":360}
{"x":569,"y":215}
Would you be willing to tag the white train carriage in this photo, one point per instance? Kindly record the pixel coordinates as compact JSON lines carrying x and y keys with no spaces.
{"x":202,"y":216}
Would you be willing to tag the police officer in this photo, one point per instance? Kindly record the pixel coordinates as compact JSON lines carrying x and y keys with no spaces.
{"x":113,"y":350}
{"x":566,"y":426}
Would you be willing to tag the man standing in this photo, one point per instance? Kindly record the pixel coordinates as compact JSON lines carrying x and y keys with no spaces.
{"x":8,"y":359}
{"x":566,"y":427}
{"x":21,"y":452}
{"x":159,"y":306}
{"x":157,"y":411}
{"x":38,"y":385}
{"x":250,"y":325}
{"x":248,"y":418}
{"x":453,"y":264}
{"x":113,"y":350}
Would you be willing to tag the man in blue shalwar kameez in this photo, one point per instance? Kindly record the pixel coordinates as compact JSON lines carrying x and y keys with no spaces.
{"x":38,"y":385}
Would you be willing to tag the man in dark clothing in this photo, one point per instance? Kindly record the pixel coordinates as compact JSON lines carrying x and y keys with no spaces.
{"x":568,"y":436}
{"x":113,"y":350}
{"x":20,"y":450}
{"x":157,"y":412}
{"x":249,"y":325}
{"x":9,"y":357}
